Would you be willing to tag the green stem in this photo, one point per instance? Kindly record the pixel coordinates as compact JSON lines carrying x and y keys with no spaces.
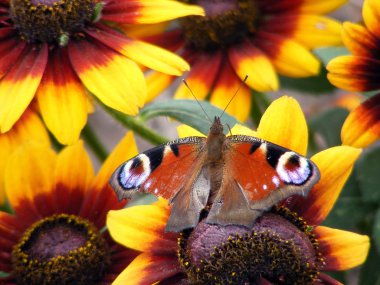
{"x":255,"y":109}
{"x":94,"y":143}
{"x":136,"y":125}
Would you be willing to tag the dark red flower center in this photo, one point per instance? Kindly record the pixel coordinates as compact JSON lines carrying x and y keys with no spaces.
{"x":61,"y":249}
{"x":226,"y":22}
{"x":279,"y":248}
{"x":51,"y":21}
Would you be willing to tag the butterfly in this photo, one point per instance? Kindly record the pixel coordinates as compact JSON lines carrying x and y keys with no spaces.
{"x":234,"y":179}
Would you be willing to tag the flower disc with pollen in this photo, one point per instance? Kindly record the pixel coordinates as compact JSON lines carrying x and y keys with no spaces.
{"x":277,"y":248}
{"x":50,"y":20}
{"x":226,"y":22}
{"x":61,"y":249}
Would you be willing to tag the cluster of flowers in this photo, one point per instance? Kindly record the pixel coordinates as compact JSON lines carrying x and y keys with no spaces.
{"x":62,"y":223}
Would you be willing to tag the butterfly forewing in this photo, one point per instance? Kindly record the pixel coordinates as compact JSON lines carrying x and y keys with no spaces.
{"x":160,"y":171}
{"x":269,"y":173}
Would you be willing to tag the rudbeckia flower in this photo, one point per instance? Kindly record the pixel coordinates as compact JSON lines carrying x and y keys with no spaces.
{"x":259,"y":38}
{"x":361,"y":70}
{"x":286,"y":245}
{"x":58,"y":50}
{"x":28,"y":128}
{"x":56,"y":233}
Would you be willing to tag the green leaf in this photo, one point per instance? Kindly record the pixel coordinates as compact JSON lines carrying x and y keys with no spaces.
{"x":188,"y":112}
{"x":345,"y":207}
{"x":313,"y":85}
{"x":326,"y":54}
{"x":328,"y":125}
{"x":376,"y":231}
{"x":370,"y":273}
{"x":368,"y":170}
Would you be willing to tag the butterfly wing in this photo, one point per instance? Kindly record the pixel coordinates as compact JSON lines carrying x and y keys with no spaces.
{"x":160,"y":171}
{"x":258,"y":175}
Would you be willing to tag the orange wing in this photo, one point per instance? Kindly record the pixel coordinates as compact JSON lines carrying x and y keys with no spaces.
{"x":160,"y":171}
{"x":258,"y":175}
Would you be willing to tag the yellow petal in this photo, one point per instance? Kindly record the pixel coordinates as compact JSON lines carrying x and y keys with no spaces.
{"x":74,"y":169}
{"x":187,"y":131}
{"x":62,"y":99}
{"x":371,"y":16}
{"x":148,"y":269}
{"x":288,"y":56}
{"x":243,"y":130}
{"x":18,"y":86}
{"x":341,"y":250}
{"x":156,"y":83}
{"x":142,"y":228}
{"x":246,"y":59}
{"x":335,"y":165}
{"x":29,"y":172}
{"x":155,"y":11}
{"x":321,"y":6}
{"x":284,"y":123}
{"x":117,"y":81}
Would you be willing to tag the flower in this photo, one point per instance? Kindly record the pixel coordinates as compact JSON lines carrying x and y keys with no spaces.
{"x":60,"y":208}
{"x":361,"y":70}
{"x":56,"y":50}
{"x":28,"y":128}
{"x":286,"y":245}
{"x":247,"y":37}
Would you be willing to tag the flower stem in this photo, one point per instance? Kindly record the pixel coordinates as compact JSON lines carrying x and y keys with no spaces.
{"x":94,"y":143}
{"x":136,"y":124}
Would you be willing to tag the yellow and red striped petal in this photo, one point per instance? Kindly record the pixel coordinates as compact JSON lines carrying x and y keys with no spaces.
{"x":117,"y":81}
{"x":227,"y":85}
{"x":18,"y":86}
{"x":73,"y":176}
{"x":284,"y":123}
{"x":289,"y":57}
{"x":28,"y":128}
{"x":371,"y":16}
{"x":143,"y":228}
{"x":187,"y":131}
{"x":335,"y":165}
{"x":10,"y":49}
{"x":201,"y":77}
{"x":310,"y":30}
{"x":147,"y":11}
{"x":359,"y":40}
{"x":247,"y":59}
{"x":156,"y":83}
{"x":29,"y":180}
{"x":144,"y":30}
{"x":148,"y":269}
{"x":354,"y":73}
{"x":341,"y":250}
{"x":101,"y":198}
{"x":62,"y":99}
{"x":146,"y":54}
{"x":362,"y":126}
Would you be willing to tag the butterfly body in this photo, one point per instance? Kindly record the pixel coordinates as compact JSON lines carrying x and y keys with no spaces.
{"x":234,"y":179}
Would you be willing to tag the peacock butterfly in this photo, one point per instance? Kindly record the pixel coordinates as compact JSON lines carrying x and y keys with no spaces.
{"x":235,"y":178}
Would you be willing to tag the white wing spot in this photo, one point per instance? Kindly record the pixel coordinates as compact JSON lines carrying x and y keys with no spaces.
{"x":276,"y":181}
{"x":295,"y":176}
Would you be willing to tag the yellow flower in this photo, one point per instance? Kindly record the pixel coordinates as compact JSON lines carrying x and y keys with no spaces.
{"x":57,"y":50}
{"x":361,"y":70}
{"x":60,"y":210}
{"x":287,"y":244}
{"x":247,"y":37}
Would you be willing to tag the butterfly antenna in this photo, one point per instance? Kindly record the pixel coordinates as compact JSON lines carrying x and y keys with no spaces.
{"x":199,"y":103}
{"x":236,"y":92}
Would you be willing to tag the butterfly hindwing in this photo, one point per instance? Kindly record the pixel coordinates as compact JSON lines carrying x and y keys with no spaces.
{"x":160,"y":171}
{"x":259,"y":174}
